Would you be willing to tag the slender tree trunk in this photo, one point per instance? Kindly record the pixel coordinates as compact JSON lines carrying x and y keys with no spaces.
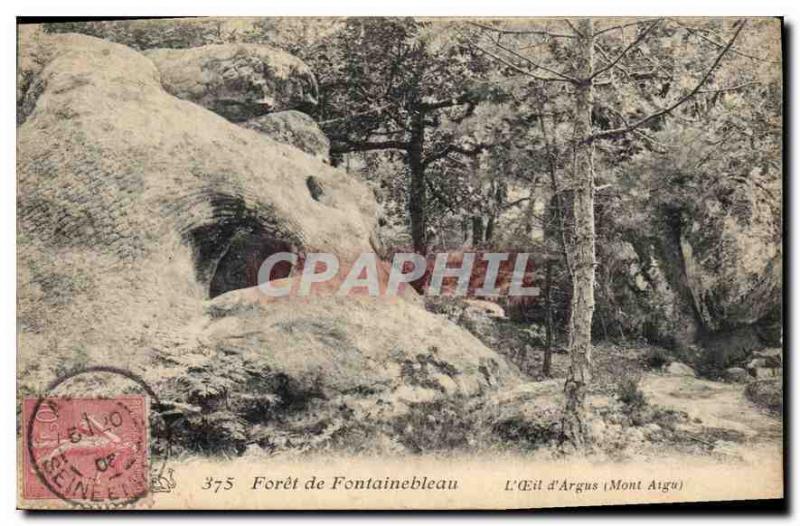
{"x":495,"y":208}
{"x":418,"y":196}
{"x":477,"y":231}
{"x":490,"y":224}
{"x":548,"y":314}
{"x":580,"y":325}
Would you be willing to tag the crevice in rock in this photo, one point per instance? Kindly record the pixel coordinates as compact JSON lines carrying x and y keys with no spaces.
{"x":32,"y":87}
{"x":229,"y":251}
{"x":314,"y":187}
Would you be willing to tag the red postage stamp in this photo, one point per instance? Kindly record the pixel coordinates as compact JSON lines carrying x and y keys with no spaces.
{"x":86,"y":450}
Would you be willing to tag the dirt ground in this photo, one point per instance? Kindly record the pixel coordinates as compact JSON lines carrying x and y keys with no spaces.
{"x":683,"y":415}
{"x":731,"y":424}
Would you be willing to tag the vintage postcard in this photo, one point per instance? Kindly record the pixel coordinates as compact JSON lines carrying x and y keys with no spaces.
{"x":399,"y":263}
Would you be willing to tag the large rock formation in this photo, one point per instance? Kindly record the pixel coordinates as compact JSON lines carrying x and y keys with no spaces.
{"x":237,"y":81}
{"x":295,"y":128}
{"x":733,"y":261}
{"x":709,"y":274}
{"x":135,"y":208}
{"x":257,"y":86}
{"x":644,"y":294}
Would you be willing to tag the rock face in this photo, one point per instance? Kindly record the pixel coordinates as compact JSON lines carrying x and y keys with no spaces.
{"x":731,"y":256}
{"x":732,"y":259}
{"x":766,"y":363}
{"x":679,"y":369}
{"x":237,"y":81}
{"x":735,"y":375}
{"x":346,"y":345}
{"x":295,"y":128}
{"x":772,"y":357}
{"x":710,"y":277}
{"x":767,"y":393}
{"x":135,"y":208}
{"x":648,"y":300}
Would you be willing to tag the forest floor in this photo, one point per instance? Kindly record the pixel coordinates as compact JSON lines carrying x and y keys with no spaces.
{"x":722,"y":408}
{"x":636,"y":410}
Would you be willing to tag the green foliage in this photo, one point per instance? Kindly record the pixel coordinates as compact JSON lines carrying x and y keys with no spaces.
{"x":213,"y":433}
{"x":767,"y":393}
{"x":656,"y":358}
{"x":218,"y":405}
{"x":526,"y":433}
{"x":149,"y":34}
{"x":434,"y":426}
{"x":628,"y":392}
{"x":401,"y":66}
{"x":402,"y":98}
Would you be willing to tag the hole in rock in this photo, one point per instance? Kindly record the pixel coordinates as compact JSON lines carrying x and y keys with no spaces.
{"x":229,"y":251}
{"x":314,"y":187}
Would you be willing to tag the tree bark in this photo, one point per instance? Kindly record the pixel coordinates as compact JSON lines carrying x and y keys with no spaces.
{"x":417,"y":194}
{"x":583,"y":261}
{"x":548,"y":314}
{"x":477,"y":231}
{"x":490,"y":224}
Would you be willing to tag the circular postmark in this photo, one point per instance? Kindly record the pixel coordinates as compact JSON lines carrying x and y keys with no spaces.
{"x":90,"y":451}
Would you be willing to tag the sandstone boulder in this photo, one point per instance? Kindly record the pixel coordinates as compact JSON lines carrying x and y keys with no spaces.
{"x":237,"y":81}
{"x":766,"y":363}
{"x":294,"y":128}
{"x":759,"y":371}
{"x":707,"y":276}
{"x":735,"y":375}
{"x":773,"y":357}
{"x":766,"y":393}
{"x":645,"y":297}
{"x":679,"y":369}
{"x":342,"y":345}
{"x":732,"y":257}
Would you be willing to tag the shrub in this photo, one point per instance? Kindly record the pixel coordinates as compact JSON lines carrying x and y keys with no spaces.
{"x":214,"y":433}
{"x":527,"y":434}
{"x":628,"y":392}
{"x":767,"y":393}
{"x":434,"y":426}
{"x":215,"y":406}
{"x":656,"y":358}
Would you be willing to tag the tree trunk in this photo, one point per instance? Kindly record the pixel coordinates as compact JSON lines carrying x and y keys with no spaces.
{"x":417,"y":195}
{"x":490,"y":224}
{"x":548,"y":314}
{"x":477,"y":231}
{"x":583,"y":260}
